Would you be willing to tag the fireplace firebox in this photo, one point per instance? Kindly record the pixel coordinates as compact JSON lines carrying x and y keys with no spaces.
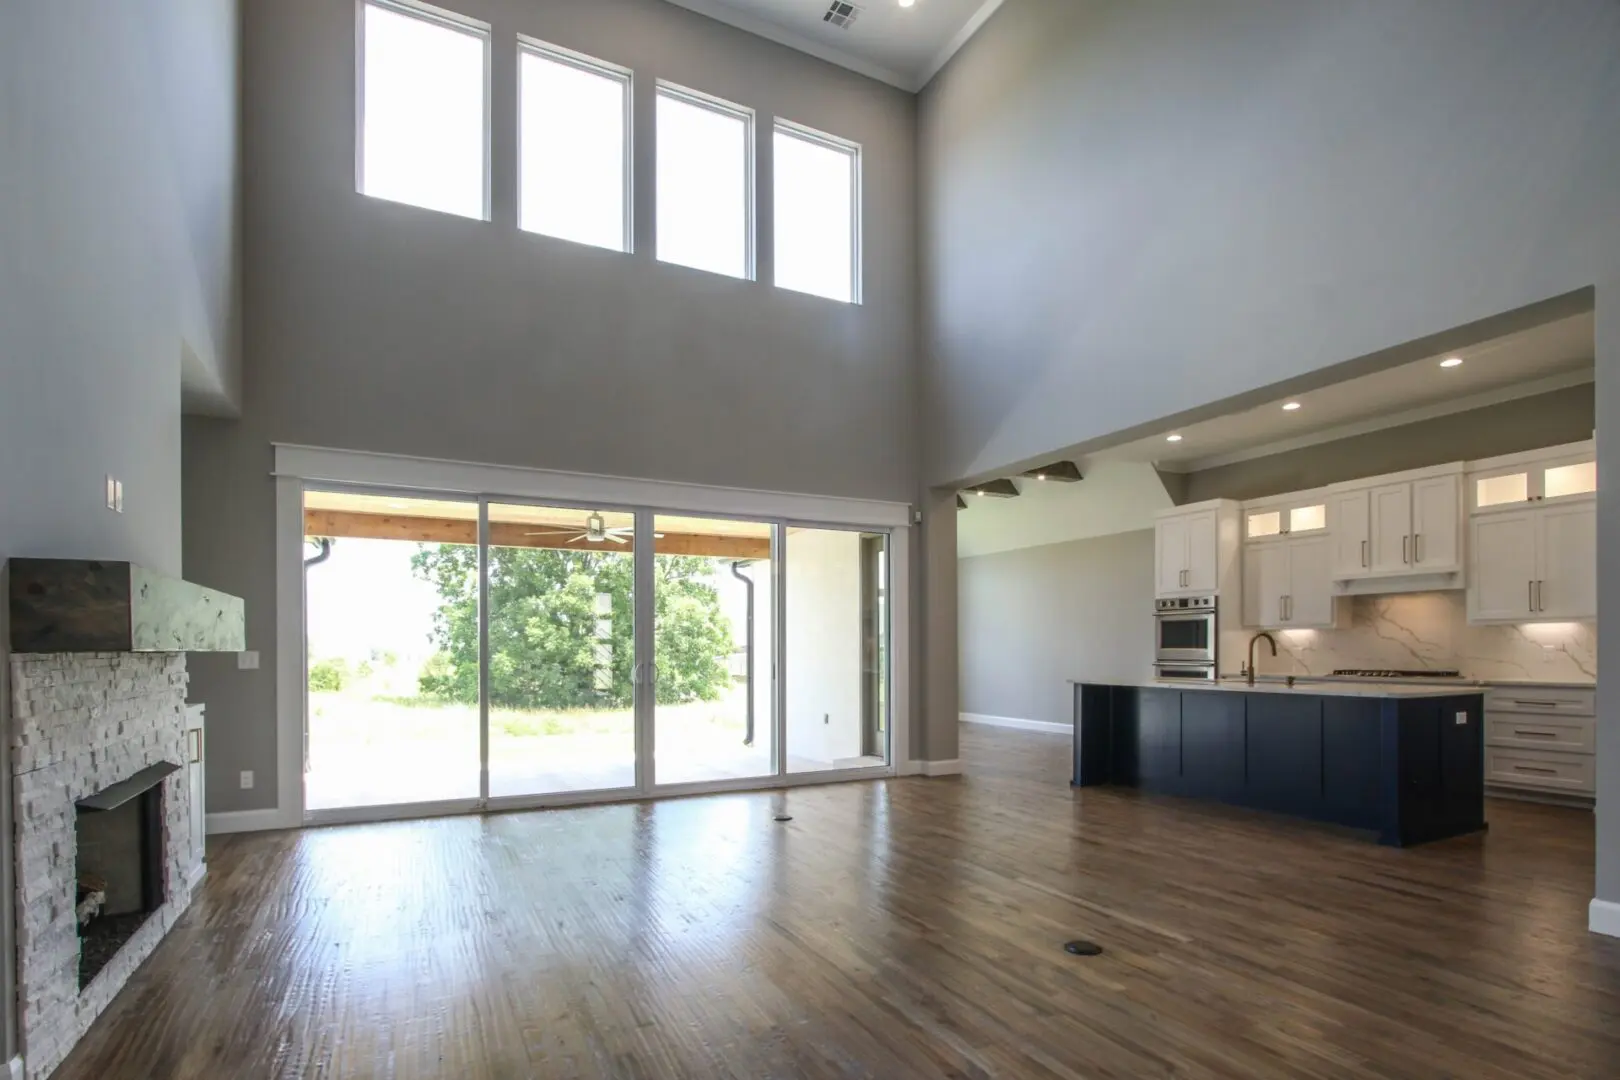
{"x":119,"y":834}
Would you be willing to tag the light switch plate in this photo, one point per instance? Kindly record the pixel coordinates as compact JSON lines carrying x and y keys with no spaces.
{"x":118,"y":496}
{"x":248,"y":661}
{"x":247,"y":779}
{"x":1462,"y":719}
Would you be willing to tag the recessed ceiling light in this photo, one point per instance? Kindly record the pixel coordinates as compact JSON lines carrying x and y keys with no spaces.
{"x":1040,"y":476}
{"x":1172,"y":438}
{"x":907,"y":3}
{"x":1451,"y":361}
{"x":1292,"y":406}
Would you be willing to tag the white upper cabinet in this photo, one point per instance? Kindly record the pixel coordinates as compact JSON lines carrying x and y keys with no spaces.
{"x":1406,"y":526}
{"x":1350,"y":517}
{"x":1437,"y":524}
{"x":1533,"y":536}
{"x":1290,"y":585}
{"x":1293,"y":516}
{"x":1195,"y":550}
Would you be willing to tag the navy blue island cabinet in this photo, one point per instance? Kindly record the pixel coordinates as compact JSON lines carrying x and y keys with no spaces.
{"x":1407,"y":765}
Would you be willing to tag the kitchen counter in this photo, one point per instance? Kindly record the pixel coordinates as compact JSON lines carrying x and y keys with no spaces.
{"x":1404,"y":763}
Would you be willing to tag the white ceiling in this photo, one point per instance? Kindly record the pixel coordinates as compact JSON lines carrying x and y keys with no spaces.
{"x":1533,"y":361}
{"x":904,"y":47}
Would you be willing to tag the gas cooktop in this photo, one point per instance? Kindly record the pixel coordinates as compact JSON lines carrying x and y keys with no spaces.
{"x":1392,"y":673}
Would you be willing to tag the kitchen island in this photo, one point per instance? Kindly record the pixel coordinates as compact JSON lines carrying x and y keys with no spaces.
{"x":1405,"y":763}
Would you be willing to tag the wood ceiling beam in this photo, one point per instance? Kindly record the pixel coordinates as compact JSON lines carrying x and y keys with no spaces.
{"x":430,"y":530}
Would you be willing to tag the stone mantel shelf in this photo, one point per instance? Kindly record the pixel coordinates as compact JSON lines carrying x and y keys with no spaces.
{"x":83,"y":606}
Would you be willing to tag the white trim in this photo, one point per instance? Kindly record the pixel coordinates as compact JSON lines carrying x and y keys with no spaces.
{"x":938,"y":768}
{"x":198,"y":872}
{"x":697,"y":99}
{"x":805,"y":134}
{"x":469,"y":478}
{"x":249,"y":821}
{"x":1388,"y":420}
{"x":291,"y":654}
{"x":974,"y":24}
{"x":1605,"y":918}
{"x":1014,"y":722}
{"x":17,"y":1072}
{"x":770,"y":31}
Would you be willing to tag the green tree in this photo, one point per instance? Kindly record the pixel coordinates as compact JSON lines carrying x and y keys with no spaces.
{"x":331,"y":673}
{"x":560,"y":627}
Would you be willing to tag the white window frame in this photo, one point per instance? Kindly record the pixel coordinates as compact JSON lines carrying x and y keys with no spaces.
{"x":594,"y":66}
{"x":856,"y":225}
{"x":449,"y":20}
{"x":714,"y":104}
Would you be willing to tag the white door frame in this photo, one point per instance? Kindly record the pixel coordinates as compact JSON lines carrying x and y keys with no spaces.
{"x":299,"y":466}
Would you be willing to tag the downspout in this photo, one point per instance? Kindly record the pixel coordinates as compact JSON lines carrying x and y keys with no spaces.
{"x":736,"y":572}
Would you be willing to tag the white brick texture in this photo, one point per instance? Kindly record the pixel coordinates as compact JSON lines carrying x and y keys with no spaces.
{"x":81,"y":723}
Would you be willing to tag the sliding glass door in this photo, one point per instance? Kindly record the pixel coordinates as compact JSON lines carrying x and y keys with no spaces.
{"x":469,"y":652}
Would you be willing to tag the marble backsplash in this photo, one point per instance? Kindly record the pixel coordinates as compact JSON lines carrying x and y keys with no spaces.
{"x":1428,"y":630}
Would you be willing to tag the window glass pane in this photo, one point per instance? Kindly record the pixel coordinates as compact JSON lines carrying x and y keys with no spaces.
{"x":815,"y":217}
{"x":422,"y":129}
{"x":1564,"y":480}
{"x":572,"y":151}
{"x":1306,"y":518}
{"x":1266,"y":524}
{"x":703,"y":176}
{"x":1496,"y":490}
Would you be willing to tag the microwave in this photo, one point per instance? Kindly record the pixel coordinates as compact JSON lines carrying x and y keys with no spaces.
{"x":1184,"y":630}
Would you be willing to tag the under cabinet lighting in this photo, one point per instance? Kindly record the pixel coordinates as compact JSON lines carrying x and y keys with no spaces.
{"x":1451,"y":361}
{"x":1172,"y":438}
{"x":1292,"y":406}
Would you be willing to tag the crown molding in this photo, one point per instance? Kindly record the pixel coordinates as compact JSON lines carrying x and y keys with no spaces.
{"x":959,"y":39}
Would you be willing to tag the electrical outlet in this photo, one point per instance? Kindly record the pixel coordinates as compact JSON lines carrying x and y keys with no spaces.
{"x":247,"y":661}
{"x":118,"y":496}
{"x":1462,"y":719}
{"x":112,"y":493}
{"x":247,"y":779}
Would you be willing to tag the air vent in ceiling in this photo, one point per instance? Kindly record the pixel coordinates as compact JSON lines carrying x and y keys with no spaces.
{"x":841,"y":14}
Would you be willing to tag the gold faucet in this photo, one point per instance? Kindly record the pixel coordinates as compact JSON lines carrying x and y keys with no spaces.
{"x":1269,"y":640}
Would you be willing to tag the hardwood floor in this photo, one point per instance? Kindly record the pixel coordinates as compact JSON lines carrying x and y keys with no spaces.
{"x":911,"y":928}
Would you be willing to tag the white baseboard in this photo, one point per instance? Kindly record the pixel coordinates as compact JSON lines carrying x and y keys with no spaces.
{"x":939,"y":768}
{"x":249,"y":821}
{"x":17,"y":1068}
{"x":1605,"y":918}
{"x":1013,"y":722}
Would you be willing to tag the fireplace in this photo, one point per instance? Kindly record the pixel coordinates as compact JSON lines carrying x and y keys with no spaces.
{"x":119,"y":872}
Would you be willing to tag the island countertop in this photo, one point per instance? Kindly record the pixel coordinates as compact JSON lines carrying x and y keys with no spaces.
{"x":1301,"y":687}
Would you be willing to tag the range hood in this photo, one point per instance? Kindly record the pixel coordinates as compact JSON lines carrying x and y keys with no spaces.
{"x":81,"y":605}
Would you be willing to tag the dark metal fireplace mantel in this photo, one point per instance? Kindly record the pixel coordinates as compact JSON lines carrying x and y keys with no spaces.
{"x":120,"y":793}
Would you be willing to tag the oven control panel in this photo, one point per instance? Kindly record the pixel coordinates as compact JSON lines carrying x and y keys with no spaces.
{"x":1185,"y":603}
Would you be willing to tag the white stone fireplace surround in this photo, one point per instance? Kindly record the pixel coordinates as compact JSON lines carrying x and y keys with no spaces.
{"x":81,"y":723}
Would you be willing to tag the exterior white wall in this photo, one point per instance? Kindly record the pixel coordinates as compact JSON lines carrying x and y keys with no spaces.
{"x":823,"y":616}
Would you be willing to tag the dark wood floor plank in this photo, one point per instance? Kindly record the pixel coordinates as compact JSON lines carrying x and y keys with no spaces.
{"x":910,"y":928}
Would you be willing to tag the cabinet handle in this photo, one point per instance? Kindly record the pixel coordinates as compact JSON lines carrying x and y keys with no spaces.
{"x":1417,"y":547}
{"x":1364,"y":554}
{"x":1541,"y":595}
{"x":1536,"y":734}
{"x":1535,"y":769}
{"x":1530,"y":589}
{"x":1542,"y":704}
{"x":1406,"y":549}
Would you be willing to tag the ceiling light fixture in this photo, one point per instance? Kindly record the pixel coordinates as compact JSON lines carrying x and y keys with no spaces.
{"x":1451,"y":361}
{"x":908,"y":3}
{"x":1040,"y":476}
{"x":1172,"y":438}
{"x":1292,"y":406}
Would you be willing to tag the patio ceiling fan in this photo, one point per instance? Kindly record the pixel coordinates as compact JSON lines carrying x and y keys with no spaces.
{"x":596,"y":532}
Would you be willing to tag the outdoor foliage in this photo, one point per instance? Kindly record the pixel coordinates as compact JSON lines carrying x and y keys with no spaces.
{"x":329,"y":674}
{"x":560,"y":628}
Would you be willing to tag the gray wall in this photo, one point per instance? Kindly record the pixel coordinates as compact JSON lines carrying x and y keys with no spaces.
{"x":1133,"y":208}
{"x":381,"y":327}
{"x":1531,"y":423}
{"x":117,"y":257}
{"x":1608,"y":410}
{"x":1032,"y":618}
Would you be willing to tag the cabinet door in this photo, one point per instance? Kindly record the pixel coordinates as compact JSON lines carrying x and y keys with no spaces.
{"x":1170,"y":543}
{"x":1568,"y":563}
{"x":1348,"y":515}
{"x":1391,"y":516}
{"x":1212,"y":745}
{"x":1265,"y":582}
{"x":1203,"y":552}
{"x":1502,"y":566}
{"x":1310,"y":582}
{"x":1436,"y":518}
{"x":1284,"y":754}
{"x":1158,"y":740}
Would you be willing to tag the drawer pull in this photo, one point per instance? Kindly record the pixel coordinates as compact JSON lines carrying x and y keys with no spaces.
{"x":1542,"y":704}
{"x":1536,"y":734}
{"x":1535,"y":769}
